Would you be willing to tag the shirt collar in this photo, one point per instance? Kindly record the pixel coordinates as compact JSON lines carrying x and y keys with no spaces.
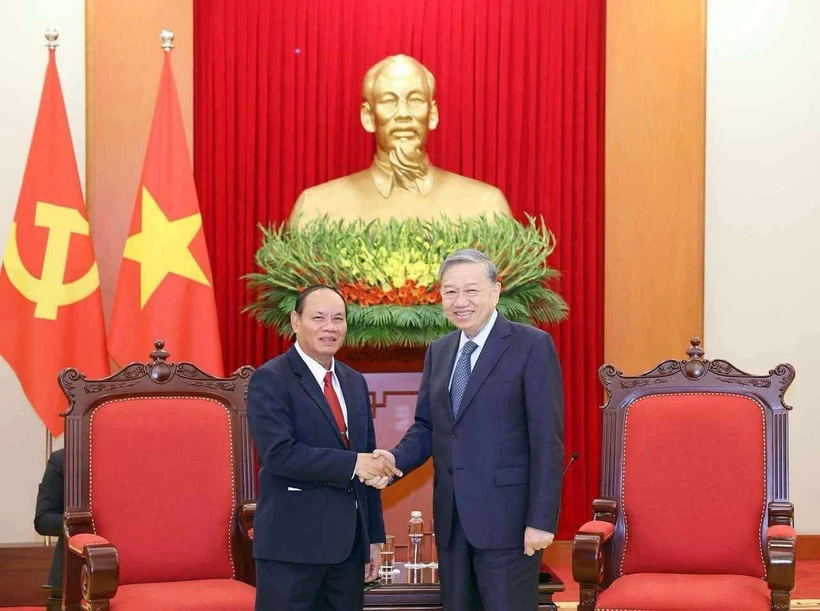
{"x":384,"y":180}
{"x":481,"y":337}
{"x":316,"y":368}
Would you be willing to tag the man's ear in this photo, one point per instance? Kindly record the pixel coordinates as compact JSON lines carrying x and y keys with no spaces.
{"x":366,"y":115}
{"x":294,"y":321}
{"x":432,"y":117}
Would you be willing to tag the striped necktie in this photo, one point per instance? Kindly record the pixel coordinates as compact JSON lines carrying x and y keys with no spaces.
{"x":461,"y":376}
{"x":335,"y":407}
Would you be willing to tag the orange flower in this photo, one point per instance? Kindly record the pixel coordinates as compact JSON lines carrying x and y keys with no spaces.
{"x":409,"y":294}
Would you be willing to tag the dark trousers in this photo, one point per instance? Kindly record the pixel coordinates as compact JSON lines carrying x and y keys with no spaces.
{"x":486,"y":579}
{"x":291,"y":586}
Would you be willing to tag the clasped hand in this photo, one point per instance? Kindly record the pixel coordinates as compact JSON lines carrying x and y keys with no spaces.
{"x":377,"y":469}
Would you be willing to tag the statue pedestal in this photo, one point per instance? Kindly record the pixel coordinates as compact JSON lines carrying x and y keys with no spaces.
{"x":393,"y":377}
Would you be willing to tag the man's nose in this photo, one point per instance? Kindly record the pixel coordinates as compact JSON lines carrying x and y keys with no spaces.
{"x":403,"y":110}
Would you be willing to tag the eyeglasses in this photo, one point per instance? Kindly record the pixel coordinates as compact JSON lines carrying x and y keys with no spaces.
{"x":452,"y":294}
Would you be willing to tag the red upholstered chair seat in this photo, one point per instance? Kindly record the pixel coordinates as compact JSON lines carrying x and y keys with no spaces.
{"x":678,"y":592}
{"x":200,"y":595}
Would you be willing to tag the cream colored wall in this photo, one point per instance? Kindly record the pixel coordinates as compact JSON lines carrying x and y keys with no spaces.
{"x":23,"y":60}
{"x":762,"y":264}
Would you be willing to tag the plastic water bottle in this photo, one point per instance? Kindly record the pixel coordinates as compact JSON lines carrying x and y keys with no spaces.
{"x":433,"y":546}
{"x":415,"y":534}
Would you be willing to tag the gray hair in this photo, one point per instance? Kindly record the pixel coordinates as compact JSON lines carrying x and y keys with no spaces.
{"x":469,"y":255}
{"x":372,"y":74}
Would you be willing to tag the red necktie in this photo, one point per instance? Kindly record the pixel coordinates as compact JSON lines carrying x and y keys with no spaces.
{"x":335,"y":407}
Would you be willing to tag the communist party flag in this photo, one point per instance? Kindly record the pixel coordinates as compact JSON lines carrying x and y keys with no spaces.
{"x":49,"y":284}
{"x":165,"y":288}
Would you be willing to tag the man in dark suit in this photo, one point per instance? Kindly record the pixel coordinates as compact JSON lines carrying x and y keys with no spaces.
{"x":490,"y":412}
{"x":318,"y":528}
{"x":48,"y":516}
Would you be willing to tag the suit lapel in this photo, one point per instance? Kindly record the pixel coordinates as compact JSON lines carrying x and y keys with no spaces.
{"x":497,"y":343}
{"x":356,"y":432}
{"x":308,"y":383}
{"x":442,"y":373}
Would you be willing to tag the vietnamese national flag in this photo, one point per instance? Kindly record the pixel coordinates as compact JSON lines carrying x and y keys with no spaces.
{"x":165,"y":288}
{"x":50,"y":303}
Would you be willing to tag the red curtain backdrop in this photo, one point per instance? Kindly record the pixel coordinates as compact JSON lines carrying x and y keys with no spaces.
{"x":520,"y":91}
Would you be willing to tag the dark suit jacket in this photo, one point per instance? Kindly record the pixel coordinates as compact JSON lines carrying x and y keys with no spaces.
{"x":500,"y":461}
{"x":48,"y":515}
{"x":300,"y":447}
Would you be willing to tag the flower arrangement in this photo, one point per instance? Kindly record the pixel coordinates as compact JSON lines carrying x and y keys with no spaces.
{"x":388,"y":273}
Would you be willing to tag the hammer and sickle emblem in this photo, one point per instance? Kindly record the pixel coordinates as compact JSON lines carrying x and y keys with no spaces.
{"x":49,"y":292}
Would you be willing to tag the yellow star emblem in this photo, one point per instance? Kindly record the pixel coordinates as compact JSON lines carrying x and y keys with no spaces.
{"x":161,"y":248}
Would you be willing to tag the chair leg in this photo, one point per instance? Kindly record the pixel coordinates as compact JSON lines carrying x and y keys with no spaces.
{"x":588,"y":597}
{"x":781,"y":600}
{"x":72,"y":589}
{"x":55,"y":600}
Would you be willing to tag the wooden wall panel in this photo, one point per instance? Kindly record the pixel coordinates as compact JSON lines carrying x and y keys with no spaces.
{"x":393,"y":396}
{"x":655,"y":147}
{"x":123,"y":66}
{"x":24,"y":568}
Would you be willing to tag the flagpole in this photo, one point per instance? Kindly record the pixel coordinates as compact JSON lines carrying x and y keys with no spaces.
{"x":51,"y":35}
{"x":49,"y":445}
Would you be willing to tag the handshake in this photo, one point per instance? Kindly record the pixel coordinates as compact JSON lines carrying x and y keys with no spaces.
{"x":376,"y":469}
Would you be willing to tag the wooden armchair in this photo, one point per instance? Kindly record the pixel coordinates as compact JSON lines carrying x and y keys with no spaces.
{"x":694,"y":510}
{"x":160,"y":490}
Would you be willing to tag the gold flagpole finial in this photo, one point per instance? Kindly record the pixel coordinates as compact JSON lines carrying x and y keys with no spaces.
{"x":167,"y":38}
{"x":51,"y":38}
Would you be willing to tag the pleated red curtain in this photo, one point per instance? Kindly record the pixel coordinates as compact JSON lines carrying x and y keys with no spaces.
{"x":520,"y":91}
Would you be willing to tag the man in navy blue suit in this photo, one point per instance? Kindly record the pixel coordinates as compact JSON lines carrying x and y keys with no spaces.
{"x":490,"y":412}
{"x":318,"y":529}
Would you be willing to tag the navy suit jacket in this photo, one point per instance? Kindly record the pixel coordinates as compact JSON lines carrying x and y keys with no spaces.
{"x":500,"y":460}
{"x":309,"y":508}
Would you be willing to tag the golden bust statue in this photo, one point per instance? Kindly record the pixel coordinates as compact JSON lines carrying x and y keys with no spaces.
{"x":399,"y":107}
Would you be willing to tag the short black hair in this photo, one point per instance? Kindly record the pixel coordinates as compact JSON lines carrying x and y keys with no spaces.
{"x":299,"y":307}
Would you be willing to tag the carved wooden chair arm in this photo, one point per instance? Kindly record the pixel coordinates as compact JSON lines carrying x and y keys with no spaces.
{"x":781,"y":549}
{"x":246,"y":515}
{"x":605,"y":529}
{"x":588,"y":550}
{"x":94,"y":565}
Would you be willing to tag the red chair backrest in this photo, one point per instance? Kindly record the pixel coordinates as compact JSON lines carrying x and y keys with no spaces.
{"x":161,"y":486}
{"x":694,"y":484}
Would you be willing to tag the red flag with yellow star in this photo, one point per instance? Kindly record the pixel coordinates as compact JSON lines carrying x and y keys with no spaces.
{"x":165,"y":288}
{"x":50,"y":303}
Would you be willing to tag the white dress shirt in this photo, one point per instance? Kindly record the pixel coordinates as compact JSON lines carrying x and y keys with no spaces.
{"x":318,"y":371}
{"x":480,"y":339}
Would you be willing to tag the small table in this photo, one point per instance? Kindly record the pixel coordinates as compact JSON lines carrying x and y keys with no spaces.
{"x":423,"y":593}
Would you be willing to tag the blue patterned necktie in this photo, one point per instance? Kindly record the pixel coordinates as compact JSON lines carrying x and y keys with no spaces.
{"x":461,"y":376}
